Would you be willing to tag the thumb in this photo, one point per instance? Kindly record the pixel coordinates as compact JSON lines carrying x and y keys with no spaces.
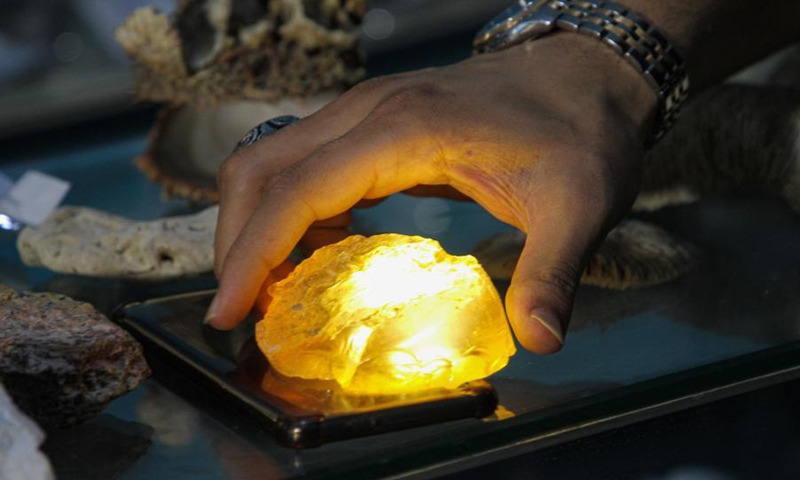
{"x":542,"y":290}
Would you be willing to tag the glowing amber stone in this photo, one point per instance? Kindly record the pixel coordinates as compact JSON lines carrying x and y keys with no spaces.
{"x":384,"y":315}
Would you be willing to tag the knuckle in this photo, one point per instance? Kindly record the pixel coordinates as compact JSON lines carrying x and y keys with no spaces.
{"x":370,"y":86}
{"x":292,"y":185}
{"x":231,"y":169}
{"x":326,"y":150}
{"x":376,"y":87}
{"x":299,"y":177}
{"x":419,"y":95}
{"x":287,"y":181}
{"x":560,"y":278}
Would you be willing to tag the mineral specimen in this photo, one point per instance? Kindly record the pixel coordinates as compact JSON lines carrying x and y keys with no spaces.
{"x":62,"y":361}
{"x":388,"y":314}
{"x":90,"y":242}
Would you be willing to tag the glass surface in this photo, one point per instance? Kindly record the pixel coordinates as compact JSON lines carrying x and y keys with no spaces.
{"x":742,"y":298}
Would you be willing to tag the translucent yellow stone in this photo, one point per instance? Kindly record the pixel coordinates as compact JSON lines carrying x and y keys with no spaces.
{"x":387,"y":314}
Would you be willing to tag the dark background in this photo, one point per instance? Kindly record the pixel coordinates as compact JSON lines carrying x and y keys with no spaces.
{"x":64,"y":81}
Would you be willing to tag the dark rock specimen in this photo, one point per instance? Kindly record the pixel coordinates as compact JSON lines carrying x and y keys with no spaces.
{"x":62,"y":361}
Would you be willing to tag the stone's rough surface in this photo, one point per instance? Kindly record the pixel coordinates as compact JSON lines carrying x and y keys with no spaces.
{"x":388,"y":314}
{"x":62,"y":361}
{"x":20,"y":437}
{"x":89,"y":242}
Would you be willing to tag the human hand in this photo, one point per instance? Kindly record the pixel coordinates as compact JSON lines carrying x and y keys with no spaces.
{"x":547,"y":136}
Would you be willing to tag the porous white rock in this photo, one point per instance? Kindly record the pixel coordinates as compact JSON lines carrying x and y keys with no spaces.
{"x":89,"y":242}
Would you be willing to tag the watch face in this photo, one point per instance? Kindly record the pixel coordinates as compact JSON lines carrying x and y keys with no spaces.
{"x":493,"y":32}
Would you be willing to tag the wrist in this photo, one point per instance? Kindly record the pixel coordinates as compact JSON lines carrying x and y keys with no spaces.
{"x":626,"y":32}
{"x":590,"y":74}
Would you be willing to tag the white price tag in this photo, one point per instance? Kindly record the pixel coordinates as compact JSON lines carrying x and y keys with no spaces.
{"x":34,"y":197}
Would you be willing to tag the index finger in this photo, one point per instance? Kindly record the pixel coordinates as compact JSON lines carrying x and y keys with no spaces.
{"x":241,"y":176}
{"x":362,"y":164}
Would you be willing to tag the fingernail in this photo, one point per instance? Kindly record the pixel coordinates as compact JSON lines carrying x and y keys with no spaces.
{"x":550,"y":322}
{"x":212,"y":312}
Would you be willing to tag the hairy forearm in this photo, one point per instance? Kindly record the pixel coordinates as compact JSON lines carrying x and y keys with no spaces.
{"x":719,"y":37}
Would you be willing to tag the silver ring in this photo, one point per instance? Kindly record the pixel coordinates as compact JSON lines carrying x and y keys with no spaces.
{"x":265,"y":129}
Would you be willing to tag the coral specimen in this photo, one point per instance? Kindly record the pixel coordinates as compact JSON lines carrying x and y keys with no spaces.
{"x":221,"y":50}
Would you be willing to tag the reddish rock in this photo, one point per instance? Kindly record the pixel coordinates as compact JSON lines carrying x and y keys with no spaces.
{"x":61,"y":360}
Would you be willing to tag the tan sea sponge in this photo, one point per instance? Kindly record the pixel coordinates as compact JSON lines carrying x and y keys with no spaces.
{"x":386,"y":314}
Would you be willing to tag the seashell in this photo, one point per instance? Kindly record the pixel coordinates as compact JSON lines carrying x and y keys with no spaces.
{"x":634,"y":254}
{"x":187,"y":146}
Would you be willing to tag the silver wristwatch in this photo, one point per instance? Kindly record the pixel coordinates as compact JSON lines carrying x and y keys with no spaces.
{"x":630,"y":35}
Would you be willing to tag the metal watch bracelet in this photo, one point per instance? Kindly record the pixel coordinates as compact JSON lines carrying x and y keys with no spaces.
{"x":625,"y":31}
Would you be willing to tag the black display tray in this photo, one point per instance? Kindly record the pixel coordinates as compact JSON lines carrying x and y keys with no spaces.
{"x":301,"y":413}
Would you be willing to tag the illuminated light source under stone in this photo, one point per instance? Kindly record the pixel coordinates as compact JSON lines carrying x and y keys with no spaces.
{"x":385,"y":315}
